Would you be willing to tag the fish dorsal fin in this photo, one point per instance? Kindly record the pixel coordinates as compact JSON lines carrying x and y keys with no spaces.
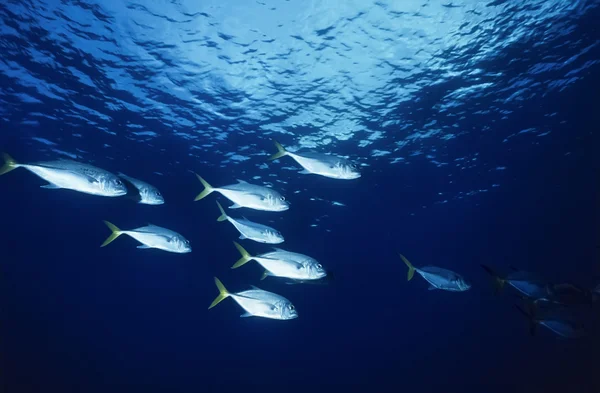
{"x":255,"y":287}
{"x":241,"y":181}
{"x":279,"y":249}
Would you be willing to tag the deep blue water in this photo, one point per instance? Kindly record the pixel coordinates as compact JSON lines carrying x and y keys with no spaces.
{"x":476,"y":129}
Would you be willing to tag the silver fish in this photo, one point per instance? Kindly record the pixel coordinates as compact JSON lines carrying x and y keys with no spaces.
{"x":71,"y":175}
{"x":149,"y":195}
{"x":560,"y":327}
{"x":244,"y":194}
{"x":281,"y":263}
{"x":438,"y":278}
{"x":152,"y":236}
{"x":320,"y":164}
{"x":258,"y":303}
{"x":252,"y":230}
{"x":525,"y":283}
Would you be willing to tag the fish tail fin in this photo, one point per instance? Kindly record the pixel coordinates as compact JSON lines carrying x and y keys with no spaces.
{"x":498,"y":281}
{"x":530,"y":318}
{"x":223,"y":216}
{"x":280,"y":151}
{"x":411,"y":268}
{"x":246,"y":257}
{"x":223,"y":293}
{"x":9,"y":164}
{"x":116,"y":232}
{"x":207,"y":188}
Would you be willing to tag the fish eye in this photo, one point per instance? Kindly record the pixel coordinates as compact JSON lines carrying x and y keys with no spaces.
{"x":282,"y":198}
{"x":119,"y":182}
{"x":319,"y":266}
{"x":158,"y":193}
{"x":291,"y":307}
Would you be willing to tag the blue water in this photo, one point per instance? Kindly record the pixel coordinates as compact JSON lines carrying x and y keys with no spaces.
{"x":474,"y":125}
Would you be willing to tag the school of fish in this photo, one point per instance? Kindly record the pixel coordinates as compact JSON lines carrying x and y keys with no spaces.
{"x":543,"y":301}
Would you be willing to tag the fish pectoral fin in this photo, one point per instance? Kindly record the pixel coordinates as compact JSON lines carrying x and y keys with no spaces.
{"x":241,"y":181}
{"x":143,"y":246}
{"x":235,"y":206}
{"x":50,"y":186}
{"x":246,"y":315}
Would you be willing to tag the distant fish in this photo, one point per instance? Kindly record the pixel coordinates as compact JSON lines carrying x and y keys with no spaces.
{"x":560,"y":327}
{"x":252,"y":230}
{"x":71,"y":175}
{"x":569,"y":294}
{"x":148,"y":194}
{"x":281,"y":263}
{"x":524,"y":282}
{"x":320,"y":164}
{"x":258,"y":303}
{"x":152,"y":236}
{"x":244,"y":194}
{"x":438,"y":278}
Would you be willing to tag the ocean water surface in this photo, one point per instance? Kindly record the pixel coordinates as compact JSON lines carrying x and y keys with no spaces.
{"x":474,"y":127}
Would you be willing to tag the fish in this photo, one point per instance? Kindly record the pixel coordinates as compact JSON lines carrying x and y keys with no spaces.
{"x":244,"y":194}
{"x":148,"y":194}
{"x":152,"y":236}
{"x":281,"y":263}
{"x":560,"y":327}
{"x":525,"y":283}
{"x":71,"y":175}
{"x":326,"y":165}
{"x":252,"y":230}
{"x":569,"y":294}
{"x":258,"y":303}
{"x":438,"y":278}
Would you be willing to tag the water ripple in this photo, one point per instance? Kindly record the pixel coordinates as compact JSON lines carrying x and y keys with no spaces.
{"x":381,"y":82}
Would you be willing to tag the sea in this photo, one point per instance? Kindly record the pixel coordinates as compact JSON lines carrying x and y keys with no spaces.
{"x":474,"y":126}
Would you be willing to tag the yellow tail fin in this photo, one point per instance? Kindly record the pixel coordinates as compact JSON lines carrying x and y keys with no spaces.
{"x":207,"y":188}
{"x":116,"y":232}
{"x":411,"y":268}
{"x":223,"y":294}
{"x":223,"y":215}
{"x":280,"y":151}
{"x":246,"y":257}
{"x":9,"y":164}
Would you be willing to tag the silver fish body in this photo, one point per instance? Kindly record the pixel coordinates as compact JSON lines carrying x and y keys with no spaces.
{"x":149,"y":195}
{"x":258,"y":303}
{"x":72,"y":175}
{"x":251,"y":230}
{"x":244,"y":194}
{"x":528,"y":285}
{"x":152,"y":236}
{"x":438,"y":278}
{"x":561,"y":328}
{"x":281,"y":263}
{"x":326,"y":165}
